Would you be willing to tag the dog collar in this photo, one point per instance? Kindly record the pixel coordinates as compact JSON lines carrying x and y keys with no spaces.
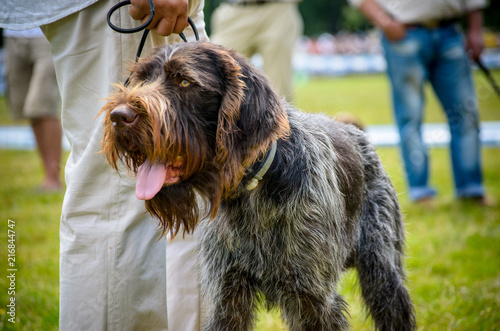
{"x":262,"y":168}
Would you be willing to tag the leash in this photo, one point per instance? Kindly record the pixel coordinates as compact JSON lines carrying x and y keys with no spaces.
{"x":488,"y":75}
{"x":143,"y":27}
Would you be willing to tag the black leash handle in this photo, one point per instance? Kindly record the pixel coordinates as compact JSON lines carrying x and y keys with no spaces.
{"x":132,"y":30}
{"x":144,"y":26}
{"x":488,"y":75}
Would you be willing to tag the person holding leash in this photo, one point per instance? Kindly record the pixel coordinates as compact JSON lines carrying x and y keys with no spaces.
{"x":112,"y":261}
{"x":423,"y":42}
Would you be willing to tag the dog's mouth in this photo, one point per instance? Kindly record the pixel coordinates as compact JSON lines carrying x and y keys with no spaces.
{"x":153,"y":176}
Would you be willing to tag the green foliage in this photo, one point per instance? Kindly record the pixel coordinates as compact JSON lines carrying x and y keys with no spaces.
{"x":492,"y":15}
{"x":453,"y":255}
{"x":353,"y":20}
{"x":321,"y":16}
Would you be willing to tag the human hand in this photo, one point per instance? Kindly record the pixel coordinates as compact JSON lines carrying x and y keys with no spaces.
{"x":474,"y":44}
{"x":171,"y":16}
{"x":394,"y":30}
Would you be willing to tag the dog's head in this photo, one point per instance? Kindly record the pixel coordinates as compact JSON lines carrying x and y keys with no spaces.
{"x":193,"y":118}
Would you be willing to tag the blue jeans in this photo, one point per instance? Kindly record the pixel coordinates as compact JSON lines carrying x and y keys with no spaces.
{"x":437,"y":56}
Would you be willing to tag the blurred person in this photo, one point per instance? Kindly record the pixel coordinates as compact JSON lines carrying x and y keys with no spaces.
{"x":423,"y":41}
{"x":32,"y":94}
{"x":112,"y":262}
{"x":269,"y":28}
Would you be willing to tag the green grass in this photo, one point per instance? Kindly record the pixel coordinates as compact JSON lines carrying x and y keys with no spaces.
{"x":453,"y":248}
{"x":368,"y":97}
{"x":36,"y":218}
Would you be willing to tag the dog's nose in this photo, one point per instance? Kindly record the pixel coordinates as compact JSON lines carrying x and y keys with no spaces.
{"x":123,"y":116}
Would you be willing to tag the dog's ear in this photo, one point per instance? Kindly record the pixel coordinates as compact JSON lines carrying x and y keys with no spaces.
{"x":228,"y":132}
{"x":251,"y":117}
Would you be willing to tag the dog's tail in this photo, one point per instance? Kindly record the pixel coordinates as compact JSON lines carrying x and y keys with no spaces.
{"x":379,"y":258}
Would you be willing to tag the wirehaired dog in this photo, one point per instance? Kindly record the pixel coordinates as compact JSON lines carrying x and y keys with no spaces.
{"x":291,"y":200}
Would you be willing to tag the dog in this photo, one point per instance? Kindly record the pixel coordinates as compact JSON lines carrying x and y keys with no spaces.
{"x":290,"y":200}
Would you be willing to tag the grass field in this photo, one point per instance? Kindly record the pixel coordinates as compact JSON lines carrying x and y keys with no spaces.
{"x":453,"y":248}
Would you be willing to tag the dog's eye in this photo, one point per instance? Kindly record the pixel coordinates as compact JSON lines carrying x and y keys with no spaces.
{"x":184,"y":83}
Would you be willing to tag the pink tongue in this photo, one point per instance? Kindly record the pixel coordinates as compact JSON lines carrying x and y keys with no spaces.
{"x":150,"y":180}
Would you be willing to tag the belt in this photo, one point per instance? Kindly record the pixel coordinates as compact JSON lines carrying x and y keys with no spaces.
{"x":432,"y":24}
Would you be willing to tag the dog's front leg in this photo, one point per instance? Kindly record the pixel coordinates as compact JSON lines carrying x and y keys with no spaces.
{"x":233,"y":305}
{"x":303,"y":311}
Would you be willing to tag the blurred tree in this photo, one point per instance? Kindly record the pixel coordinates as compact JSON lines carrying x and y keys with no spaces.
{"x":322,"y":16}
{"x":492,"y":15}
{"x":209,"y":8}
{"x":353,"y":20}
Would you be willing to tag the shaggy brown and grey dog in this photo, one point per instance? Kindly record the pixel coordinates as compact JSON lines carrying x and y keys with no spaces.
{"x":198,"y":120}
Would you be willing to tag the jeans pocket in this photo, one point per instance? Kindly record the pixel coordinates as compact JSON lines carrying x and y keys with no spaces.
{"x":404,"y":47}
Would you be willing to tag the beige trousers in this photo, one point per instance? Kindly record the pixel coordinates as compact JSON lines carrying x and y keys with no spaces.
{"x":270,"y":29}
{"x":32,"y":90}
{"x":112,"y":261}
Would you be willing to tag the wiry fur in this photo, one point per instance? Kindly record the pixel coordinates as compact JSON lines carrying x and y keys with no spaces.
{"x":325,"y":204}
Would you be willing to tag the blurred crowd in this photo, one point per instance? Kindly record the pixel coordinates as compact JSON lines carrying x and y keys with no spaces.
{"x":341,"y":43}
{"x":363,"y":42}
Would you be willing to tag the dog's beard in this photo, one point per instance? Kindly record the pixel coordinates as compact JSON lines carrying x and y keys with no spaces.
{"x":183,"y":205}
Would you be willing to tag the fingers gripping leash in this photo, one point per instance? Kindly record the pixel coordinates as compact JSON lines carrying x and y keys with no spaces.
{"x":143,"y":26}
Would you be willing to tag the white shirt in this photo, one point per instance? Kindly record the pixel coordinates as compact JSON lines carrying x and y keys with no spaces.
{"x":31,"y":33}
{"x":27,"y":14}
{"x":411,"y":11}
